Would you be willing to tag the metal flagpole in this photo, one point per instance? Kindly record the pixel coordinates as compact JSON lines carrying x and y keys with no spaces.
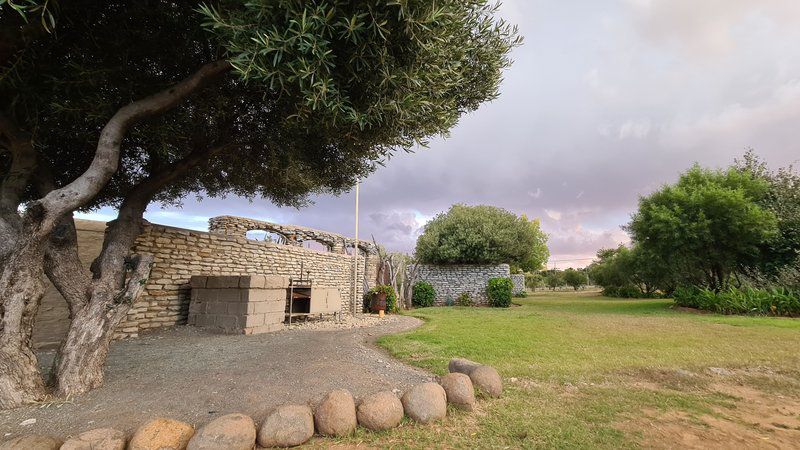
{"x":355,"y":259}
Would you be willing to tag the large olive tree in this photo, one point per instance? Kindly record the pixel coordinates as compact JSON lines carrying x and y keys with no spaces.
{"x":123,"y":104}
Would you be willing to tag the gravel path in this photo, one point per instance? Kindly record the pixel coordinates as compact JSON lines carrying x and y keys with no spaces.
{"x":194,"y":376}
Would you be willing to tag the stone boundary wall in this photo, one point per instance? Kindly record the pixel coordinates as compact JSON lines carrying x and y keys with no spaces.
{"x":452,"y":280}
{"x":519,"y":283}
{"x":180,"y":254}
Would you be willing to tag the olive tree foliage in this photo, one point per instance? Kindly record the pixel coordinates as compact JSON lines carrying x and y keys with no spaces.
{"x":707,"y":226}
{"x":482,"y":235}
{"x":129,"y":103}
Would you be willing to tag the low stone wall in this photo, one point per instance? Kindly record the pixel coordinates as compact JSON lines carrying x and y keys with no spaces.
{"x":179,"y":254}
{"x":519,"y":283}
{"x":452,"y":280}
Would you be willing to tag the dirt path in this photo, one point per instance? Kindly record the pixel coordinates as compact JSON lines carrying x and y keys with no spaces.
{"x":194,"y":376}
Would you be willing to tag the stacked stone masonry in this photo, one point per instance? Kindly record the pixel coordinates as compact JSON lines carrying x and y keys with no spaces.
{"x":519,"y":283}
{"x":250,"y":304}
{"x":180,"y":254}
{"x":452,"y":280}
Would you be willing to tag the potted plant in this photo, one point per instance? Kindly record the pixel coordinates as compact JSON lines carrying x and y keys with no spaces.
{"x":382,"y":299}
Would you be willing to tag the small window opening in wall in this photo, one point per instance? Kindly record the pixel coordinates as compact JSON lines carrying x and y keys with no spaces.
{"x":349,"y":250}
{"x":316,"y":245}
{"x":266,"y":236}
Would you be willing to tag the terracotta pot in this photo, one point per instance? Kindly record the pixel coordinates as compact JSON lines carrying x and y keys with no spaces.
{"x":378,"y":302}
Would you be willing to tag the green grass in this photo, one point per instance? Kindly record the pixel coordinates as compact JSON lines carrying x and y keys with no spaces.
{"x":574,"y":366}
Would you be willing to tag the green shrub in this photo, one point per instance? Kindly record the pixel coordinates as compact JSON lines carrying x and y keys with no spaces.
{"x":464,"y":299}
{"x":628,"y":291}
{"x":391,"y":296}
{"x":772,"y":302}
{"x":423,"y":295}
{"x":499,"y":291}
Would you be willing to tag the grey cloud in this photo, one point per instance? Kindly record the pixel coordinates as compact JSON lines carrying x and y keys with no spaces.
{"x":606,"y":100}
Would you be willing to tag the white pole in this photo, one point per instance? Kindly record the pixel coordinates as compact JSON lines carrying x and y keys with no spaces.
{"x":355,"y":259}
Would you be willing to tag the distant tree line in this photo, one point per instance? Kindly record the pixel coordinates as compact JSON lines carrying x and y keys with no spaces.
{"x":713,"y":230}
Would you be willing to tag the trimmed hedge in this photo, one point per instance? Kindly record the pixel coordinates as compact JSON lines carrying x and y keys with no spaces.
{"x":423,"y":295}
{"x":771,"y":302}
{"x":499,"y":291}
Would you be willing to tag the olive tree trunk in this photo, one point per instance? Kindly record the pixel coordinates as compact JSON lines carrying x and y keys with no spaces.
{"x":26,"y":236}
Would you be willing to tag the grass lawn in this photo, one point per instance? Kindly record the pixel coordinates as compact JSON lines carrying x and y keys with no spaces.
{"x":587,"y":371}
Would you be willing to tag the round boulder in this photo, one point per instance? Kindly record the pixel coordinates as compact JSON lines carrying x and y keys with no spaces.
{"x":459,"y":390}
{"x":461,"y":365}
{"x":486,"y":379}
{"x":287,"y":426}
{"x":100,"y":438}
{"x":162,"y":434}
{"x":380,"y":411}
{"x":336,"y":415}
{"x":425,"y":402}
{"x":231,"y":432}
{"x":32,"y":441}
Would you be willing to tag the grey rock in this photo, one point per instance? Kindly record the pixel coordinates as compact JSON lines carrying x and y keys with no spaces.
{"x":230,"y":432}
{"x":97,"y":439}
{"x":31,"y":442}
{"x":380,"y":411}
{"x":287,"y":426}
{"x":425,"y":402}
{"x":459,"y":390}
{"x":487,"y":380}
{"x":461,"y":365}
{"x":336,"y":414}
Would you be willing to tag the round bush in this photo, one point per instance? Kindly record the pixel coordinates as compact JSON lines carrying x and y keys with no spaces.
{"x":423,"y":295}
{"x":499,"y":291}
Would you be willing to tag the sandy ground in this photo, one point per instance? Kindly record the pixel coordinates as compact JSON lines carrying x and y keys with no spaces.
{"x":195,"y":376}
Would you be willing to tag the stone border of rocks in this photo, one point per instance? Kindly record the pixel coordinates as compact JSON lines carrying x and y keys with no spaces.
{"x":289,"y":425}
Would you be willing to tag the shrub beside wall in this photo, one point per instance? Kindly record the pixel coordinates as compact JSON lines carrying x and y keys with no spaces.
{"x":423,"y":295}
{"x":499,"y":291}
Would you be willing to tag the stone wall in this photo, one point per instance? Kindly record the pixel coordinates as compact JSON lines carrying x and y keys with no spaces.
{"x":452,"y":280}
{"x":179,"y":254}
{"x":519,"y":283}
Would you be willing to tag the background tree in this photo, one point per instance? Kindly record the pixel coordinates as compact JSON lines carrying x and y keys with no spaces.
{"x":482,"y":235}
{"x":706,"y":226}
{"x":575,"y":278}
{"x":554,"y":279}
{"x":127,"y":104}
{"x":533,"y":280}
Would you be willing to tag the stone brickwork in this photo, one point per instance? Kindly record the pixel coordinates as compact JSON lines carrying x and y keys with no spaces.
{"x":180,"y":254}
{"x":519,"y":283}
{"x":452,"y":280}
{"x":250,"y":304}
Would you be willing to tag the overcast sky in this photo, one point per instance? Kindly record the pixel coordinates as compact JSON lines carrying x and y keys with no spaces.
{"x":606,"y":100}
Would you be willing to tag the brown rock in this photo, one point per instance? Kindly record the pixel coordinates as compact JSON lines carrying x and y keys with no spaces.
{"x":161,"y":434}
{"x":336,"y":415}
{"x":461,"y":365}
{"x":487,"y":380}
{"x":231,"y":432}
{"x":380,"y":411}
{"x":459,"y":390}
{"x":97,"y":439}
{"x":31,"y":442}
{"x":425,"y":403}
{"x":287,"y":426}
